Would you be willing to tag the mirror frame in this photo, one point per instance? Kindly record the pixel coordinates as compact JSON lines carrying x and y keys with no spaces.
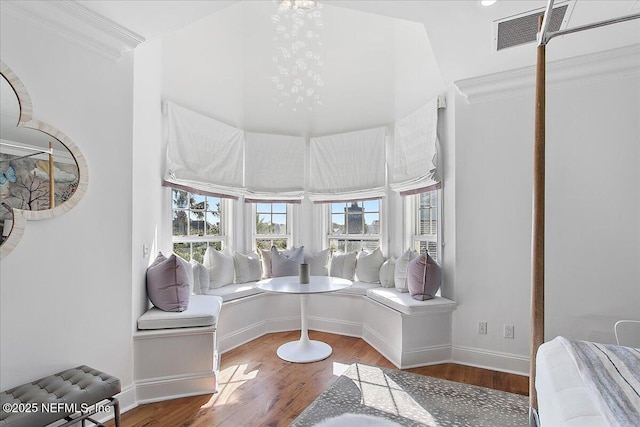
{"x":26,"y":120}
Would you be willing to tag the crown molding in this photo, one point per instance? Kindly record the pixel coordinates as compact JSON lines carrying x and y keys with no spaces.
{"x":583,"y":69}
{"x":77,"y":24}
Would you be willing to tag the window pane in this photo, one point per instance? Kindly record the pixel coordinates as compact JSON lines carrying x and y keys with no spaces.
{"x":213,"y":204}
{"x":279,"y":223}
{"x":183,"y":250}
{"x":425,"y":200}
{"x":197,"y":251}
{"x":336,"y":245}
{"x":372,"y":223}
{"x":196,"y":224}
{"x":263,"y":208}
{"x":370,"y":245}
{"x":180,"y":199}
{"x":372,"y":206}
{"x":337,"y":207}
{"x":279,"y":208}
{"x":263,"y":225}
{"x":354,"y":245}
{"x":179,"y":223}
{"x":198,"y":202}
{"x":212,"y":224}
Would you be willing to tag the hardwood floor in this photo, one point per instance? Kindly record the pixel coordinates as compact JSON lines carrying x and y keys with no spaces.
{"x":256,"y":388}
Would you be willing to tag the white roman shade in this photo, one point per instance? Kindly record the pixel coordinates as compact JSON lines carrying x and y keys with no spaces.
{"x":274,"y":167}
{"x":415,"y":153}
{"x":347,"y":166}
{"x":203,"y":154}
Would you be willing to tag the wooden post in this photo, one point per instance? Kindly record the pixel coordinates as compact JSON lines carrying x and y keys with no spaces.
{"x":52,"y":184}
{"x":537,"y":241}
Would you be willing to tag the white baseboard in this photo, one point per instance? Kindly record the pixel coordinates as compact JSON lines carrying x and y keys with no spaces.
{"x":158,"y":389}
{"x":333,"y":326}
{"x":426,"y":356}
{"x":256,"y":330}
{"x":376,"y":341}
{"x":497,"y":361}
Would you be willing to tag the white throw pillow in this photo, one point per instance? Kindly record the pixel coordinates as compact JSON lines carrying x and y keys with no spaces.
{"x":387,"y":272}
{"x":400,"y":275}
{"x":265,"y":262}
{"x":220,"y":265}
{"x":344,"y":265}
{"x":368,"y":266}
{"x":189,"y":274}
{"x":318,"y":262}
{"x":200,"y":278}
{"x":247,"y":267}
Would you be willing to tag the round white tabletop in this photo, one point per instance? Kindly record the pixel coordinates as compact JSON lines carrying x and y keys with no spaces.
{"x":304,"y":350}
{"x":292,"y":285}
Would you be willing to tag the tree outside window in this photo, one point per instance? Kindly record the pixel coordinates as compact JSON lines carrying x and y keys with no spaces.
{"x":196,"y":224}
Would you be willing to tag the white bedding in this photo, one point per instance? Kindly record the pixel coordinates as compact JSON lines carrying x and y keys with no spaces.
{"x":588,"y":384}
{"x":563,"y":398}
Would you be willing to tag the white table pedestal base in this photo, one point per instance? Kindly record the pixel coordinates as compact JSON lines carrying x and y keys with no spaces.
{"x":304,"y":350}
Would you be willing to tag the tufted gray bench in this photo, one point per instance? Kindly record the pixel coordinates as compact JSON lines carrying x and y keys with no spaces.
{"x":73,"y":395}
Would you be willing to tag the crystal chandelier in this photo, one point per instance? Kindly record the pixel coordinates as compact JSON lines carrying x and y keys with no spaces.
{"x":297,"y":79}
{"x":298,"y":4}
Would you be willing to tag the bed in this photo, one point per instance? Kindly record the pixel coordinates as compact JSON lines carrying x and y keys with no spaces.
{"x":587,"y":384}
{"x":562,"y":391}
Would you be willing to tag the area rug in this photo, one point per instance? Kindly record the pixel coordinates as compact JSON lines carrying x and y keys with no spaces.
{"x":373,"y":396}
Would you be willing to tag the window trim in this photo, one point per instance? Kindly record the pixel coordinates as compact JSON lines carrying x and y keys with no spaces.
{"x":412,"y":207}
{"x":290,"y":223}
{"x":379,"y":237}
{"x":222,"y":215}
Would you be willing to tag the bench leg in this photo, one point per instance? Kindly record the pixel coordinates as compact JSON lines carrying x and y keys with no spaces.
{"x":116,"y":411}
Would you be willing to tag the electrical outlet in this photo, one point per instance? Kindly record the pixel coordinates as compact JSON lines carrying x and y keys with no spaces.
{"x":482,"y":328}
{"x":508,"y":331}
{"x":145,"y":251}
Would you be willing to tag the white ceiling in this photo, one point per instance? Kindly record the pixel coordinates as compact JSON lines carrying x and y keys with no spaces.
{"x":382,"y":59}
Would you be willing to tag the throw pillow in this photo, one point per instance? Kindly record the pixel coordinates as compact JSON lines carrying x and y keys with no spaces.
{"x":168,"y":283}
{"x":220,"y":265}
{"x":286,"y":263}
{"x":423,"y":277}
{"x":368,"y":266}
{"x":247,"y":267}
{"x":400,"y":274}
{"x":344,"y":265}
{"x":318,"y":262}
{"x":201,"y":278}
{"x":387,"y":270}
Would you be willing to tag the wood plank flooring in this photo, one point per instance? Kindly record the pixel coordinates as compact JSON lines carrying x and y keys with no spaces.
{"x":256,"y":388}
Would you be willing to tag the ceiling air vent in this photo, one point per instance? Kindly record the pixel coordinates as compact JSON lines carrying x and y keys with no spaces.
{"x":522,"y":29}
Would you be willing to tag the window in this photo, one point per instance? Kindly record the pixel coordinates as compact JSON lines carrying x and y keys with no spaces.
{"x":354,"y":226}
{"x":426,"y":223}
{"x":196,"y":224}
{"x":272,"y":225}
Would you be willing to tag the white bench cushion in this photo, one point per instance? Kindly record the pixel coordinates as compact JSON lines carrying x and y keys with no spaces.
{"x":359,"y":288}
{"x":203,"y":310}
{"x":404,"y":303}
{"x":235,"y":291}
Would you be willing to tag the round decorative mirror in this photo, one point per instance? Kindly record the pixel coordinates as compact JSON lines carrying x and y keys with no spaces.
{"x":42,"y":172}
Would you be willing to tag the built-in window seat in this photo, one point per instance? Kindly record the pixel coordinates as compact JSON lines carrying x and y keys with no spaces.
{"x":176,"y":353}
{"x":406,"y":331}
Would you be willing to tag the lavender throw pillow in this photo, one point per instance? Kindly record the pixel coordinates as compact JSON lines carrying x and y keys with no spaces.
{"x":423,"y":277}
{"x":286,"y":263}
{"x":168,"y":283}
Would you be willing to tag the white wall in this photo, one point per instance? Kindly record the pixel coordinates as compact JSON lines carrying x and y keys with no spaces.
{"x":150,"y":201}
{"x":593,"y":217}
{"x":65,"y":291}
